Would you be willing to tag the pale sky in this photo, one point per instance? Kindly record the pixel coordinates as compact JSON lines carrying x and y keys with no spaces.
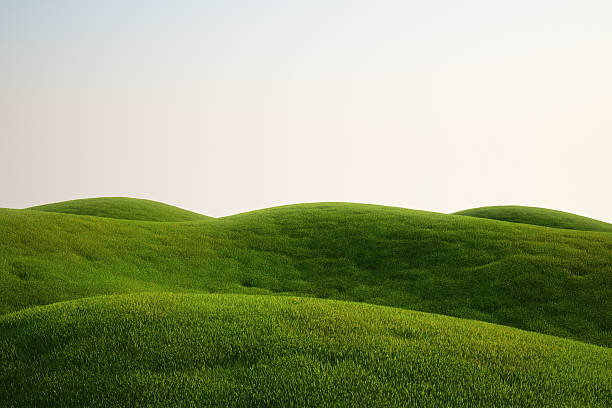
{"x":222,"y":107}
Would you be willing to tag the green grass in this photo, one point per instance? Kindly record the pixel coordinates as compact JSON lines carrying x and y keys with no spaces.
{"x":236,"y":350}
{"x":107,"y":302}
{"x":122,"y":208}
{"x":552,"y":281}
{"x":538,"y":216}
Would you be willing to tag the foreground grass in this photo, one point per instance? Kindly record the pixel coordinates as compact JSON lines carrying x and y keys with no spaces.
{"x":547,"y":280}
{"x":237,"y":350}
{"x":122,"y":208}
{"x":538,"y":216}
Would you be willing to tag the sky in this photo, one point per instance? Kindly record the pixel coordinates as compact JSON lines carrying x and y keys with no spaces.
{"x":222,"y":107}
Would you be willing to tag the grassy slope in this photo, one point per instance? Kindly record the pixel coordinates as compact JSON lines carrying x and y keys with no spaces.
{"x":232,"y":350}
{"x":122,"y":208}
{"x":547,"y":280}
{"x":538,"y":216}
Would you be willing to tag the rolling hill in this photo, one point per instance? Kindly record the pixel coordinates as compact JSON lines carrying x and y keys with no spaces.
{"x":236,"y":350}
{"x":538,"y":216}
{"x":124,"y":302}
{"x":122,"y":208}
{"x":552,"y":281}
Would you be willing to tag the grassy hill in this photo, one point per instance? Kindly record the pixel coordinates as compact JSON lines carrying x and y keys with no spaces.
{"x":538,"y":216}
{"x":122,"y":208}
{"x":235,"y":350}
{"x":552,"y":281}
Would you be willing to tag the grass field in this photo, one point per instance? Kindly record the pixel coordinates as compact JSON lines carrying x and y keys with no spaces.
{"x":538,"y":216}
{"x":122,"y":208}
{"x":160,"y":338}
{"x":240,"y":350}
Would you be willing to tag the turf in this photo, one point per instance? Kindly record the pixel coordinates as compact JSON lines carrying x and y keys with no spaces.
{"x":538,"y":216}
{"x":236,"y":350}
{"x":122,"y":208}
{"x":552,"y":281}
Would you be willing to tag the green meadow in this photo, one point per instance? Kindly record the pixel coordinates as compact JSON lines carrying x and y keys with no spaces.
{"x":538,"y":216}
{"x":126,"y":302}
{"x":122,"y":208}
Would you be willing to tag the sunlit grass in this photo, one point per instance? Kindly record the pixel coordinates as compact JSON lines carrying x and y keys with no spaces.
{"x":548,"y":280}
{"x":237,"y":350}
{"x":538,"y":216}
{"x":122,"y":208}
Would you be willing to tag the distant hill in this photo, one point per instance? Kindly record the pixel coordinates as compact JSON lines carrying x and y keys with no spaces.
{"x":538,"y":216}
{"x":122,"y":208}
{"x":553,"y":281}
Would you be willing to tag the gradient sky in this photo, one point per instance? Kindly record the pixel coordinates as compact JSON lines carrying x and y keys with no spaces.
{"x":227,"y":106}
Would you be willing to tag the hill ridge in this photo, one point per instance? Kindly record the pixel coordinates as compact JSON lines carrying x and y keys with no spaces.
{"x":127,"y":208}
{"x":539,"y":216}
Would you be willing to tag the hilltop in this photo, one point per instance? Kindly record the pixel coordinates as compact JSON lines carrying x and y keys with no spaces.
{"x":122,"y":208}
{"x":538,"y":216}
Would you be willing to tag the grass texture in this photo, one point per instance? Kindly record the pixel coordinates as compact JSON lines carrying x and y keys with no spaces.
{"x":538,"y":216}
{"x":144,"y":350}
{"x":122,"y":208}
{"x":552,"y":281}
{"x":124,"y":302}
